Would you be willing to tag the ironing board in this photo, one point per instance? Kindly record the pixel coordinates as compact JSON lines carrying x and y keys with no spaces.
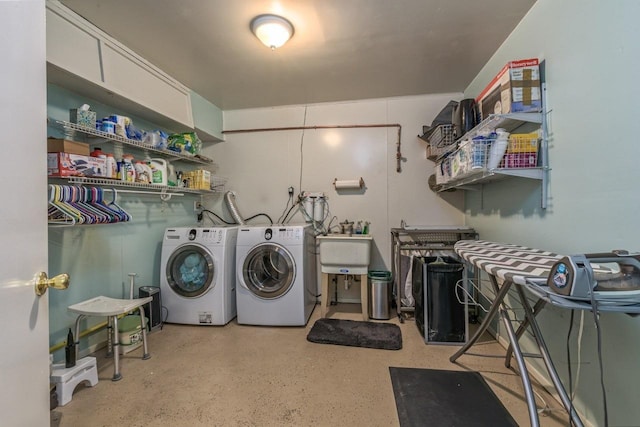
{"x":111,"y":308}
{"x":509,"y":265}
{"x":528,"y":269}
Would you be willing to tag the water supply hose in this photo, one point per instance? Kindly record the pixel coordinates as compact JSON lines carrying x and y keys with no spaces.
{"x":230,"y":201}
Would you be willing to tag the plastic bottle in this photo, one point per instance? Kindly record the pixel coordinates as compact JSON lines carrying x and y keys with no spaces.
{"x":498,"y":148}
{"x":129,"y":169}
{"x":141,"y":173}
{"x":122,"y":173}
{"x":112,"y":167}
{"x":97,"y":151}
{"x":359,"y":227}
{"x":172,"y":180}
{"x":148,"y":171}
{"x":159,"y":171}
{"x":70,"y":351}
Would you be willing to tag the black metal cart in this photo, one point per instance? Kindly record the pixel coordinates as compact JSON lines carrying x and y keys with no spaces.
{"x":429,"y":239}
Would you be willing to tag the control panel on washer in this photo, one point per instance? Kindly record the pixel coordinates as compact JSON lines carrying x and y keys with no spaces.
{"x":289,"y":233}
{"x":214,"y":235}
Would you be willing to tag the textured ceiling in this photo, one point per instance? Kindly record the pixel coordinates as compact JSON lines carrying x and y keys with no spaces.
{"x":341,"y":49}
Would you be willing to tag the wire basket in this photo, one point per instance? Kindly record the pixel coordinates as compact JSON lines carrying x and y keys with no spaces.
{"x":441,"y":141}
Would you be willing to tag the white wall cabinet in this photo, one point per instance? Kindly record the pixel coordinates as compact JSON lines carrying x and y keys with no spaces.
{"x":86,"y":60}
{"x":207,"y":119}
{"x":130,"y":77}
{"x":72,"y":48}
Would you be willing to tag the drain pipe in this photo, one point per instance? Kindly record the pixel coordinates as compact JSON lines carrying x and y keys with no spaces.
{"x":230,"y":200}
{"x":378,"y":125}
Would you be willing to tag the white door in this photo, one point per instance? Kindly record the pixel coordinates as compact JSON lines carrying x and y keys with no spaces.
{"x":24,"y":317}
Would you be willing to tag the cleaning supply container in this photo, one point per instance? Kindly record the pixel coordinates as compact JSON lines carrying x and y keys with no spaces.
{"x":158,"y":171}
{"x":129,"y":333}
{"x":379,"y":295}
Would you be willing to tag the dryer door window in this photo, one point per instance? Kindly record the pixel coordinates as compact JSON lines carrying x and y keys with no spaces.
{"x":190,"y":271}
{"x":269,"y":271}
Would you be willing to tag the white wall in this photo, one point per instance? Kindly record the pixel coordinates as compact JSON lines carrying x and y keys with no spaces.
{"x":261,"y":166}
{"x":592,"y":63}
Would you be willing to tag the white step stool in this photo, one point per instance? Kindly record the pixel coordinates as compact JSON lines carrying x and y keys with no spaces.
{"x":66,"y":379}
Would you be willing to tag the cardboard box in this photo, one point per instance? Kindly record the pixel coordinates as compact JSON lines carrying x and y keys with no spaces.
{"x":198,"y":179}
{"x":66,"y":164}
{"x":83,"y":117}
{"x":515,"y":89}
{"x":55,"y":145}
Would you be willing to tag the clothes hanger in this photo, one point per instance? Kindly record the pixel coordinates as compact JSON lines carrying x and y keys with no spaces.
{"x":85,"y":197}
{"x":55,"y":214}
{"x":97,"y":199}
{"x":114,"y":206}
{"x":59,"y":200}
{"x":70,"y":197}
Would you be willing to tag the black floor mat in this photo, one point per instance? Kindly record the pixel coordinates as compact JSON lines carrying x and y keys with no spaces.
{"x":386,"y":336}
{"x":428,"y":397}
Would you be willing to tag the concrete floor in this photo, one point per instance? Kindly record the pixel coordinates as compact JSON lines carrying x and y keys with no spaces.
{"x":240,"y":375}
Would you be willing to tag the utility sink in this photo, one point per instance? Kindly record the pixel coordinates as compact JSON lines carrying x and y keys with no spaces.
{"x":345,"y":254}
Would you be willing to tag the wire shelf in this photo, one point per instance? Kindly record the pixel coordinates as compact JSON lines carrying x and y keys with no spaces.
{"x":71,"y":128}
{"x":217,"y":185}
{"x":477,"y":157}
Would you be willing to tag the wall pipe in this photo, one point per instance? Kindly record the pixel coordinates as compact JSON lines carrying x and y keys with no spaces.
{"x":90,"y":330}
{"x":95,"y":328}
{"x":379,"y":125}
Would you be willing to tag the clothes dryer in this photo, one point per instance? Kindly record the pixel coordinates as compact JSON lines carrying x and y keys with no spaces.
{"x":275,"y":275}
{"x":197,"y":276}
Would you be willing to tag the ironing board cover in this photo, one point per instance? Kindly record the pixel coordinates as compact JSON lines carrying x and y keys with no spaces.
{"x":508,"y":262}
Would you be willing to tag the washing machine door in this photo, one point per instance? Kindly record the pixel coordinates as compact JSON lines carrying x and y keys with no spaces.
{"x":269,"y":271}
{"x":190,"y":271}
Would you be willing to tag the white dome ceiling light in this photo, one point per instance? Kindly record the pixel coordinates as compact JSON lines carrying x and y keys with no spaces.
{"x":272,"y":30}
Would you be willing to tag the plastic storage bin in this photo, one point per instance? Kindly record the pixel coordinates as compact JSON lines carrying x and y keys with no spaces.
{"x":379,"y":295}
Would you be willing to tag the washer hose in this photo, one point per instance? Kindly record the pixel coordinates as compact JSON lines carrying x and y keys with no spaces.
{"x":230,"y":201}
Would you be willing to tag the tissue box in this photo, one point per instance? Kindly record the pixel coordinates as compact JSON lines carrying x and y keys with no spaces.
{"x":515,"y":89}
{"x":67,"y":164}
{"x":55,"y":145}
{"x":83,"y":117}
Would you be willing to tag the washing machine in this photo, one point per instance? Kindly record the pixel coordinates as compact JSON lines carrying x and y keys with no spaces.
{"x":275,"y":275}
{"x":197,"y":277}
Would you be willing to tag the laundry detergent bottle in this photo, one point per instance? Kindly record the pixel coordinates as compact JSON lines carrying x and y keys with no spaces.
{"x":142,"y":175}
{"x":129,"y":170}
{"x":158,"y":171}
{"x":112,"y":166}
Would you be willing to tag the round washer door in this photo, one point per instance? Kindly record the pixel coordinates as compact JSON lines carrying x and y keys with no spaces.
{"x":269,"y":271}
{"x":190,"y":271}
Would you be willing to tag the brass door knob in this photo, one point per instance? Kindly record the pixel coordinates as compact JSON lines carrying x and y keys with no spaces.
{"x":61,"y":281}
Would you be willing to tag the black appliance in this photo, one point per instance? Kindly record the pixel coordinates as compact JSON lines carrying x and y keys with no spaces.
{"x":152,"y":310}
{"x":465,"y":117}
{"x":439,"y":315}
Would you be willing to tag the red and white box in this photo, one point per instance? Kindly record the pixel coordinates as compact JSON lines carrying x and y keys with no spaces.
{"x":515,"y":89}
{"x":67,"y":164}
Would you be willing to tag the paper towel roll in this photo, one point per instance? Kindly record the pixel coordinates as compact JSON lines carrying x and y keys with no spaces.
{"x":345,"y":184}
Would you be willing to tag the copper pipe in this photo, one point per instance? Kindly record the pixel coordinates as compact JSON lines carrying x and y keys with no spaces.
{"x":390,"y":125}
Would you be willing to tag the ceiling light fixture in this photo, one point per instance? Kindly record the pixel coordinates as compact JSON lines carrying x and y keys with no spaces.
{"x":272,"y":30}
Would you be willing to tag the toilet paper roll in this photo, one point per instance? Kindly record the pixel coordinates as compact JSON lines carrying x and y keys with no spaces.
{"x":348,"y":184}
